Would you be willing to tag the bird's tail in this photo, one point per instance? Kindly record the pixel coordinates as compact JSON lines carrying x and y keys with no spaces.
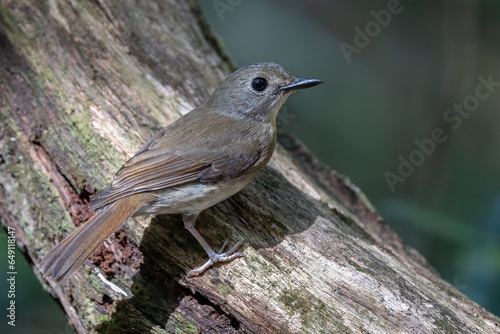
{"x":64,"y":259}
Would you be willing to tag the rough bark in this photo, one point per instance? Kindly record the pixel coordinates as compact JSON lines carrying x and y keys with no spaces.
{"x":83,"y":84}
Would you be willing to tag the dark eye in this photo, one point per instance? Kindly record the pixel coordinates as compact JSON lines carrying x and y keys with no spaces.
{"x":259,"y":84}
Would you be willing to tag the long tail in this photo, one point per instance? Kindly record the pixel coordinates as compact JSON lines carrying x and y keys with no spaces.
{"x":64,"y":259}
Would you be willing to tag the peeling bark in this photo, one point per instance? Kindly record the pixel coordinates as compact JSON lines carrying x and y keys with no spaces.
{"x":83,"y":84}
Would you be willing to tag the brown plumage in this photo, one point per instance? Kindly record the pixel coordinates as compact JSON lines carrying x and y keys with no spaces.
{"x":201,"y":159}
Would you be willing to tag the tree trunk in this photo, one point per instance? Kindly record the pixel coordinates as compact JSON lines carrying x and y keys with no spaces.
{"x":83,"y":84}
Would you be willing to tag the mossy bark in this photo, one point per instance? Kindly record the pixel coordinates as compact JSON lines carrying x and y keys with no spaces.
{"x":83,"y":84}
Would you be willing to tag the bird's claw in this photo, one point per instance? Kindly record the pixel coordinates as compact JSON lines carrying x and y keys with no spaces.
{"x":218,"y":258}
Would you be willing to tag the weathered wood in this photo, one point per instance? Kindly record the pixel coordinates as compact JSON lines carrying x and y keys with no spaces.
{"x":83,"y":85}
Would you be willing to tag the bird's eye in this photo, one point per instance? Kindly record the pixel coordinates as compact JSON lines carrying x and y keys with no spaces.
{"x":259,"y":84}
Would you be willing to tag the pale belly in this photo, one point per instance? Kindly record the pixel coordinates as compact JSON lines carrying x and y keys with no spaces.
{"x":191,"y":198}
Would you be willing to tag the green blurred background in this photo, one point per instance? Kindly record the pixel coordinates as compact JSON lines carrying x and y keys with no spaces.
{"x":373,"y":106}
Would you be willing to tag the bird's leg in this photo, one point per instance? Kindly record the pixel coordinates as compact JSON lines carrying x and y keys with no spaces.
{"x":189,"y":221}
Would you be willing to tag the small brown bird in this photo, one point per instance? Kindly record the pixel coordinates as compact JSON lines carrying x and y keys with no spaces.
{"x":201,"y":159}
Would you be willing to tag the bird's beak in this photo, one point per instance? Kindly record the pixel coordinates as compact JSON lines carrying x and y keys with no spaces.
{"x":299,"y":83}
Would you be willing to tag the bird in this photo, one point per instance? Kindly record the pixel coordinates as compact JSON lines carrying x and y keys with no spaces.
{"x":201,"y":159}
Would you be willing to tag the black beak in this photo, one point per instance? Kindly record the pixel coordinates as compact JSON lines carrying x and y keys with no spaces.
{"x":299,"y":83}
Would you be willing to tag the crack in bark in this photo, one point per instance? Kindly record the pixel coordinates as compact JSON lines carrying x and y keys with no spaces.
{"x":202,"y":300}
{"x":70,"y":199}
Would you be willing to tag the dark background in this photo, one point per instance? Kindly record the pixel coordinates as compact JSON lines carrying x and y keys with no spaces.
{"x":367,"y":116}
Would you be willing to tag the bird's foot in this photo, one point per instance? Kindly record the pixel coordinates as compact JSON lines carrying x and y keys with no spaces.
{"x":219,"y":257}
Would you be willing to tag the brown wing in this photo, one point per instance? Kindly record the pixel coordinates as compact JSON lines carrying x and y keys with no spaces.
{"x":178,"y":155}
{"x":160,"y":168}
